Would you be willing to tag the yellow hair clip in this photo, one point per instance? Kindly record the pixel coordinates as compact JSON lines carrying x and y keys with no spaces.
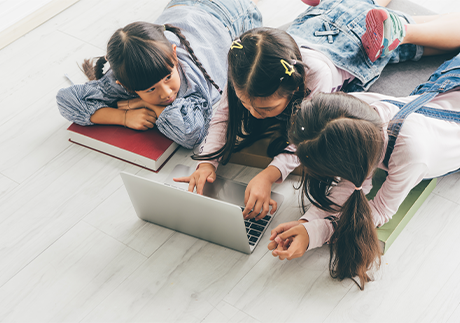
{"x":289,"y":69}
{"x":236,"y":44}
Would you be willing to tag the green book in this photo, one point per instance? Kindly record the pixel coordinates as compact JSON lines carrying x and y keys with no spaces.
{"x":388,"y":232}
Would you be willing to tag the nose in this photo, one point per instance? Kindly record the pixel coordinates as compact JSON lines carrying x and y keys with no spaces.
{"x":165,"y":91}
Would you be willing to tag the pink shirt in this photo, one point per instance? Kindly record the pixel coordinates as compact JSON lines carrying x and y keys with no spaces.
{"x":425,"y":148}
{"x":326,"y":77}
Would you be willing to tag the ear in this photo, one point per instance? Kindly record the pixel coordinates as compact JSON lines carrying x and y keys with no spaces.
{"x":174,"y":50}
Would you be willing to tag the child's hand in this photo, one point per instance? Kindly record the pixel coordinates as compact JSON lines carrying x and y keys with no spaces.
{"x":138,"y":103}
{"x":206,"y":172}
{"x":140,"y":119}
{"x":289,"y":240}
{"x":257,"y":197}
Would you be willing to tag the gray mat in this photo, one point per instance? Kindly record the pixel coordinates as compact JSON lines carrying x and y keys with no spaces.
{"x":400,"y":79}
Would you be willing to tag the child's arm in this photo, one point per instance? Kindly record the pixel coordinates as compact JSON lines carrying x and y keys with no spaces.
{"x":186,"y":120}
{"x":319,"y":225}
{"x":138,"y":119}
{"x":258,"y":192}
{"x":79,"y":102}
{"x":257,"y":196}
{"x":399,"y":182}
{"x":206,"y":170}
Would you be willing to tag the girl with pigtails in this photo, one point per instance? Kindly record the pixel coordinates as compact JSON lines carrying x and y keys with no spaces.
{"x":341,"y":139}
{"x":168,"y":73}
{"x":339,"y":45}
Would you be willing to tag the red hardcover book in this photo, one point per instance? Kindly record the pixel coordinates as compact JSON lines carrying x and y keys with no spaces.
{"x":148,"y":149}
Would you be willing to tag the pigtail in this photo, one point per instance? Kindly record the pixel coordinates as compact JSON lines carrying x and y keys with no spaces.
{"x":94,"y":72}
{"x":186,"y":44}
{"x":354,"y":246}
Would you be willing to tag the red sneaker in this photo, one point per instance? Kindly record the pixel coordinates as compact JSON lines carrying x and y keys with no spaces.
{"x":372,"y":39}
{"x":384,"y":32}
{"x":312,"y":3}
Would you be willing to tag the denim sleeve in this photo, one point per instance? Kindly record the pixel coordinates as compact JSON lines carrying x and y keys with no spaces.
{"x":79,"y":102}
{"x":186,"y":121}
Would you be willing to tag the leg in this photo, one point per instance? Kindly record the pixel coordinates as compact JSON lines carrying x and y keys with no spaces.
{"x":439,"y":34}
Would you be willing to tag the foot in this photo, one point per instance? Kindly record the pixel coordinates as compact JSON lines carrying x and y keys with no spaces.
{"x":312,"y":3}
{"x":384,"y":32}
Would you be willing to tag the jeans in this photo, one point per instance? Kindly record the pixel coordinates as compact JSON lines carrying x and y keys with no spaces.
{"x":335,"y":28}
{"x":237,"y":16}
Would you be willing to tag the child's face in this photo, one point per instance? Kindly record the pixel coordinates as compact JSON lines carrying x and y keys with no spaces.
{"x":164,"y":92}
{"x":262,"y":108}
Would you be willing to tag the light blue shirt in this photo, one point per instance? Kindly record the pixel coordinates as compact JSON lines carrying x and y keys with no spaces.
{"x":186,"y":120}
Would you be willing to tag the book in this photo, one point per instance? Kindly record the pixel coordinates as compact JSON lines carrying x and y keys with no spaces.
{"x":256,"y":156}
{"x":149,"y":149}
{"x":388,"y":232}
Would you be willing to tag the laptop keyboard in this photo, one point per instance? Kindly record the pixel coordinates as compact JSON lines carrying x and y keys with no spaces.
{"x":254,"y":228}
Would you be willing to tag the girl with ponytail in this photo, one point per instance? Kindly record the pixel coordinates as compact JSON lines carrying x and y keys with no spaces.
{"x":341,"y":139}
{"x":168,"y":73}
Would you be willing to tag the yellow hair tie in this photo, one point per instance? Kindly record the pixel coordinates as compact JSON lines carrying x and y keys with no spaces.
{"x":289,"y":69}
{"x":236,"y":44}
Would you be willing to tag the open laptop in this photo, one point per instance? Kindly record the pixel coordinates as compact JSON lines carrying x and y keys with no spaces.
{"x":216,"y":216}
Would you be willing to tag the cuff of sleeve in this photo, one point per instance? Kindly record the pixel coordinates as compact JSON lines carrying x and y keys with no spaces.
{"x":317,"y":231}
{"x":212,"y":162}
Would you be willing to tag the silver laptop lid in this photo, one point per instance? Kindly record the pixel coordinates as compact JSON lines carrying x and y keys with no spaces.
{"x":215,"y":217}
{"x":200,"y":216}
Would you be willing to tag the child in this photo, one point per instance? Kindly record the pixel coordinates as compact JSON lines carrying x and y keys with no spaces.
{"x":269,"y":73}
{"x":167,"y":74}
{"x":341,"y":139}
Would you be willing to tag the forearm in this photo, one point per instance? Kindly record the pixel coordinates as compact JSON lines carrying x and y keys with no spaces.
{"x":271,"y":173}
{"x":109,"y":116}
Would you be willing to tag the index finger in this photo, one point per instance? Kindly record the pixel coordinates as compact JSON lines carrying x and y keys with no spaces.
{"x":185,"y":179}
{"x":276,"y":231}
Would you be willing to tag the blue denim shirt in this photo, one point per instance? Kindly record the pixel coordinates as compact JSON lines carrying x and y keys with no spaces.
{"x":186,"y":120}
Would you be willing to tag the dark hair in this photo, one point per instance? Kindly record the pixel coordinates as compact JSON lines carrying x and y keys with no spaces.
{"x":255,"y":67}
{"x":140,"y":56}
{"x":340,"y":137}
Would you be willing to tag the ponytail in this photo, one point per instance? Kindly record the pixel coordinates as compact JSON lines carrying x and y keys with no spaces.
{"x":354,"y":246}
{"x":186,"y":44}
{"x":94,"y":72}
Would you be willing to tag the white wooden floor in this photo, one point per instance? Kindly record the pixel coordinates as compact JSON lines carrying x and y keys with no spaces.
{"x":72,"y":248}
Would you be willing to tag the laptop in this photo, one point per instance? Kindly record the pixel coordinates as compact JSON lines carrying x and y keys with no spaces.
{"x":216,"y":216}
